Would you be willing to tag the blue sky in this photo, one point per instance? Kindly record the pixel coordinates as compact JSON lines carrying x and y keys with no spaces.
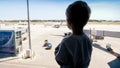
{"x":55,"y":9}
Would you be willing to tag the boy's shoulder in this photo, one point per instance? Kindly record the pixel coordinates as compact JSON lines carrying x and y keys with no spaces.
{"x":74,"y":37}
{"x":67,"y":37}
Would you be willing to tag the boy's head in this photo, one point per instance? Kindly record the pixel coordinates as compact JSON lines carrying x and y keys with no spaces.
{"x":46,"y":41}
{"x":77,"y":15}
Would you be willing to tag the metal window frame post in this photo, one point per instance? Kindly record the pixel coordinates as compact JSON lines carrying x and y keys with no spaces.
{"x":29,"y":33}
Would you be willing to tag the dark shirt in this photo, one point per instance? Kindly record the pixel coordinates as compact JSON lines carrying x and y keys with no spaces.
{"x":74,"y":52}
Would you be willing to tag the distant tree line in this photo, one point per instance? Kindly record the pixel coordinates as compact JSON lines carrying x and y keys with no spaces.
{"x":104,"y":20}
{"x":56,"y":20}
{"x":33,"y":20}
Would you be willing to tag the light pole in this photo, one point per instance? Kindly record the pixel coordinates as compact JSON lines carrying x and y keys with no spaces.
{"x":28,"y":24}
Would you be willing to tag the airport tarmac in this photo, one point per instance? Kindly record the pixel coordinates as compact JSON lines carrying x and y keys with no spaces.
{"x":46,"y":59}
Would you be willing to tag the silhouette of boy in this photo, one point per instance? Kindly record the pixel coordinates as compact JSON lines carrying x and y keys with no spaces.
{"x":75,"y":50}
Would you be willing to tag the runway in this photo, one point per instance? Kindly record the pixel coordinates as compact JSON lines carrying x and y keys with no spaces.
{"x":46,"y":59}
